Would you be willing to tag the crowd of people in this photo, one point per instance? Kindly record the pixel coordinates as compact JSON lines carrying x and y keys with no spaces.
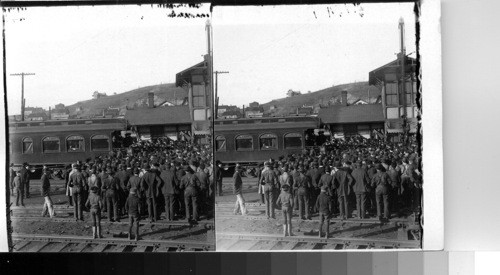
{"x":375,"y":177}
{"x":143,"y":180}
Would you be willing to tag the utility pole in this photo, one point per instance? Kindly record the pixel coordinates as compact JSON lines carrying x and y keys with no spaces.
{"x":216,"y":88}
{"x":22,"y":91}
{"x":402,"y":58}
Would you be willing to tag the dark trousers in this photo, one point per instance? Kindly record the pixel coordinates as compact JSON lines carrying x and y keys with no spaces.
{"x":296,"y":199}
{"x":27,"y":189}
{"x":152,"y":209}
{"x":324,"y":217}
{"x":179,"y":204}
{"x":406,"y":195}
{"x":19,"y":196}
{"x":343,"y":206}
{"x":314,"y":193}
{"x":77,"y":203}
{"x":96,"y":217}
{"x":191,"y":200}
{"x":417,"y":196}
{"x":112,"y":204}
{"x":133,"y":219}
{"x":303,"y":199}
{"x":383,"y":197}
{"x":269,"y":196}
{"x":360,"y":204}
{"x":219,"y":187}
{"x":169,"y":206}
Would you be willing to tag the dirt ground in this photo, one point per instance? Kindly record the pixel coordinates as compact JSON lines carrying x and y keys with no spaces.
{"x":45,"y":226}
{"x":299,"y":227}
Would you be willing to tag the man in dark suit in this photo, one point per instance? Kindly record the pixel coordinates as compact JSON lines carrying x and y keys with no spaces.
{"x":343,"y":182}
{"x":360,"y":188}
{"x":169,"y":187}
{"x":25,"y":179}
{"x":302,"y":184}
{"x":150,"y":184}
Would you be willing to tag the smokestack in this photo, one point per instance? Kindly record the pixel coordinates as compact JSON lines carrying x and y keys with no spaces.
{"x":244,"y":111}
{"x":50,"y":113}
{"x":151,"y":100}
{"x":344,"y":98}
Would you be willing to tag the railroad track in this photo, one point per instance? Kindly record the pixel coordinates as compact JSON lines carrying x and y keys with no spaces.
{"x":256,"y":211}
{"x":65,"y":214}
{"x":57,"y":243}
{"x":208,"y":224}
{"x":238,"y":241}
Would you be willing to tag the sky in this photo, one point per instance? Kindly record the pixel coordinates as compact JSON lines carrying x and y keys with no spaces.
{"x":304,"y":48}
{"x":75,"y":51}
{"x":268,"y":50}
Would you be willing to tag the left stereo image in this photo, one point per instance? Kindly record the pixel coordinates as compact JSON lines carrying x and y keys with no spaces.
{"x":109,"y":129}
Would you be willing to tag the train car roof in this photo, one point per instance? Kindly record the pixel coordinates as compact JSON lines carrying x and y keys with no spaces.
{"x":267,"y":123}
{"x":67,"y":125}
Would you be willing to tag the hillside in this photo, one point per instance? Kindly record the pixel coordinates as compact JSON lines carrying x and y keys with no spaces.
{"x":323,"y":97}
{"x":162,"y":92}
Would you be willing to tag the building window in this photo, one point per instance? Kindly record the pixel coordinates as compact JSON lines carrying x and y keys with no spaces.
{"x":51,"y":145}
{"x":268,"y":142}
{"x":199,"y":114}
{"x":220,"y":143}
{"x":244,"y":143}
{"x":391,"y":93}
{"x":75,"y":144}
{"x":99,"y":143}
{"x":292,"y":140}
{"x":199,"y":96}
{"x":27,"y":146}
{"x":409,"y":112}
{"x":392,"y":113}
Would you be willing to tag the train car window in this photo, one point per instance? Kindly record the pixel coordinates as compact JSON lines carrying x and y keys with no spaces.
{"x":75,"y":144}
{"x":99,"y":143}
{"x":244,"y":143}
{"x":51,"y":145}
{"x":293,"y":140}
{"x":268,"y":142}
{"x":220,"y":143}
{"x":27,"y":146}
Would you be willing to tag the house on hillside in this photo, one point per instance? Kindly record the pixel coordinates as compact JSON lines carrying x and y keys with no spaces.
{"x":254,"y":110}
{"x":230,"y":114}
{"x":37,"y":117}
{"x":33,"y":110}
{"x":97,"y":95}
{"x":110,"y":112}
{"x":292,"y":93}
{"x":359,"y":102}
{"x":59,"y":113}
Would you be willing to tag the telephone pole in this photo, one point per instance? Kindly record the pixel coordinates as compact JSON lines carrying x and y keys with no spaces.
{"x":216,"y":88}
{"x":22,"y":91}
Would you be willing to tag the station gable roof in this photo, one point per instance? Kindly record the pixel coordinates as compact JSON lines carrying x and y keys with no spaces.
{"x":185,"y":76}
{"x":391,"y":67}
{"x":159,"y":116}
{"x":338,"y":114}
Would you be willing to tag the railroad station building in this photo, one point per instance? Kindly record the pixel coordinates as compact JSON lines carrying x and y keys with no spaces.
{"x":155,"y":122}
{"x":352,"y":120}
{"x":197,"y":81}
{"x":398,"y":102}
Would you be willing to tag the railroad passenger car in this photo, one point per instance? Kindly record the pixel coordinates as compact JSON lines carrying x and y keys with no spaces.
{"x":254,"y":140}
{"x":60,"y":142}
